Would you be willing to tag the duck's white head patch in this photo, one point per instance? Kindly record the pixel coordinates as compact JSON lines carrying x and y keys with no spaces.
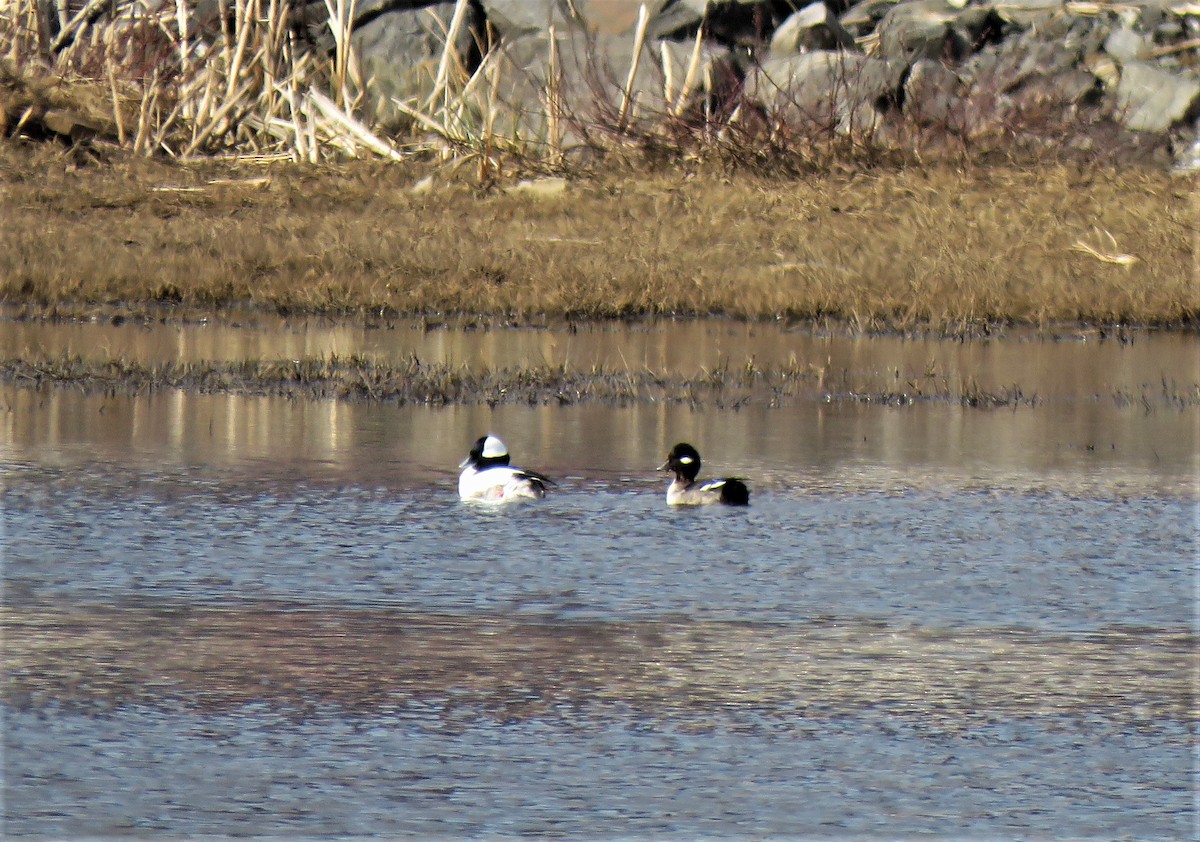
{"x":493,"y":448}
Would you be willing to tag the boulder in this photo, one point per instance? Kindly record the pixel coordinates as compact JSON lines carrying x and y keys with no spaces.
{"x":592,"y":70}
{"x":1030,"y":82}
{"x":1187,"y":152}
{"x":399,"y":53}
{"x":934,"y":29}
{"x":1124,"y":44}
{"x":812,"y":28}
{"x":921,"y":29}
{"x":1147,"y":15}
{"x":1008,"y":68}
{"x":1034,"y":54}
{"x":619,"y":17}
{"x":512,"y":18}
{"x":1149,"y":99}
{"x":1027,"y":13}
{"x":932,"y":93}
{"x":862,"y":18}
{"x":846,"y":92}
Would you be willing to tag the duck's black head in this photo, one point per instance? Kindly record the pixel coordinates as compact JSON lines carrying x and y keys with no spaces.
{"x":487,"y":452}
{"x":684,"y":460}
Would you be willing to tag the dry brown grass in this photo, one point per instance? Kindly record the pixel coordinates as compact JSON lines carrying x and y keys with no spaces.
{"x":905,"y":249}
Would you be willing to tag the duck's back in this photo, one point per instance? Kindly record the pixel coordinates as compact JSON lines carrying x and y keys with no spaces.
{"x":731,"y":491}
{"x":500,"y":483}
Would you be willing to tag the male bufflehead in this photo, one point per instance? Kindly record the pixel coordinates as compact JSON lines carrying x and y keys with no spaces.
{"x":488,"y":477}
{"x":684,"y":460}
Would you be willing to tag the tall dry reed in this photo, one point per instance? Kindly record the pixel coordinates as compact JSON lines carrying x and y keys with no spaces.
{"x":249,"y":84}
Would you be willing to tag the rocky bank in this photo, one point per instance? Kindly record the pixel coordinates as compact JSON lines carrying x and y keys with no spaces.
{"x":1088,"y":77}
{"x":1067,"y":72}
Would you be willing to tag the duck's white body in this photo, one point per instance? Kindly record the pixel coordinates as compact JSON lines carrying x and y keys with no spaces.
{"x":488,"y":478}
{"x":498,"y":485}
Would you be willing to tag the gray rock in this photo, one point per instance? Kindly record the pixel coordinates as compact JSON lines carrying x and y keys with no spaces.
{"x":619,"y":17}
{"x":1002,"y":67}
{"x":921,"y":29}
{"x":1033,"y":54}
{"x":676,"y":20}
{"x":1149,"y":99}
{"x":1126,"y":45}
{"x":847,"y":92}
{"x":1026,"y":13}
{"x":812,"y":28}
{"x":511,"y":18}
{"x":715,"y":6}
{"x":1031,"y":85}
{"x":592,"y":72}
{"x":1077,"y":36}
{"x":1187,"y":154}
{"x":932,"y":93}
{"x":862,"y":17}
{"x":399,"y":53}
{"x":1147,"y":15}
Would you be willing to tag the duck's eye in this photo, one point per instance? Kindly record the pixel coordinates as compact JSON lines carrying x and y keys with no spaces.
{"x":686,"y":460}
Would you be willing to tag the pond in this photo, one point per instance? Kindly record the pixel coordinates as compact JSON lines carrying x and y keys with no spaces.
{"x":232,"y":615}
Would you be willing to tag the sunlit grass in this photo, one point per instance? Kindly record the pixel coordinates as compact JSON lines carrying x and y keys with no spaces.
{"x":938,"y":248}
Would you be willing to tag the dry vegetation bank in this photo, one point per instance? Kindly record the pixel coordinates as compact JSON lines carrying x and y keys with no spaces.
{"x":934,"y":248}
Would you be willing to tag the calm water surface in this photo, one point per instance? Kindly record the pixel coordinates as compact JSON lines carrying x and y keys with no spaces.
{"x":250,"y":616}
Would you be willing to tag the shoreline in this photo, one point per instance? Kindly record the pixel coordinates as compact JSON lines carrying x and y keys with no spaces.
{"x":148,"y":314}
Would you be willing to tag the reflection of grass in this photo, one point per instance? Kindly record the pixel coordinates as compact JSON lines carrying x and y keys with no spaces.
{"x":940,"y":249}
{"x":355,"y":378}
{"x":368,"y":659}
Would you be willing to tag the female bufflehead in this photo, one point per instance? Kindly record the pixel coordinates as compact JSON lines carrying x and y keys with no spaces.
{"x":684,"y":460}
{"x":487,"y":475}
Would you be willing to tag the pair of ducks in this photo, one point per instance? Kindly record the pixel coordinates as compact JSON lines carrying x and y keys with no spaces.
{"x":488,"y":476}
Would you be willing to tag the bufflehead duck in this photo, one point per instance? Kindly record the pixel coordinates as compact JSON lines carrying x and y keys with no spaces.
{"x":684,"y":460}
{"x":487,"y":475}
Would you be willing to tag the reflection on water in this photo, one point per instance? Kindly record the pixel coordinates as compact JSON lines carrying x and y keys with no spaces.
{"x":805,"y":445}
{"x":735,"y":775}
{"x":364,"y":660}
{"x":1010,"y":558}
{"x":254,"y":616}
{"x":1103,"y":408}
{"x":1075,"y":364}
